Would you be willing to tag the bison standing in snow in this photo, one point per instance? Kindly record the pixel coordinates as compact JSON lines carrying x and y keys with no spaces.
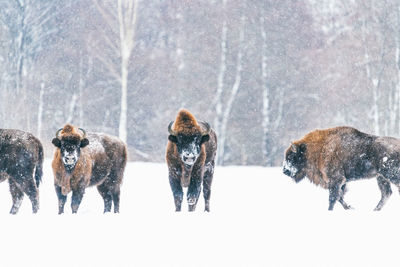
{"x":332,"y":157}
{"x":83,"y":160}
{"x":21,"y":162}
{"x":190,"y":157}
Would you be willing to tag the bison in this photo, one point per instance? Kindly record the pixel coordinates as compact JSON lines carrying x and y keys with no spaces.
{"x":332,"y":157}
{"x":190,"y":158}
{"x":82,"y":160}
{"x":21,"y":162}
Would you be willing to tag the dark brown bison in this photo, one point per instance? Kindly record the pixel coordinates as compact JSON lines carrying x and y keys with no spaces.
{"x":332,"y":157}
{"x":190,"y":157}
{"x":82,"y":160}
{"x":21,"y":162}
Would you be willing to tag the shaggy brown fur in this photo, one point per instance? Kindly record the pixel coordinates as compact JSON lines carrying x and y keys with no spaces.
{"x":190,"y":156}
{"x":319,"y":143}
{"x":101,"y":161}
{"x":70,"y":131}
{"x":332,"y":157}
{"x":186,"y":124}
{"x":21,"y":161}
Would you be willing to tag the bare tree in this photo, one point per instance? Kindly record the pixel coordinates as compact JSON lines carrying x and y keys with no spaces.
{"x":396,"y":98}
{"x":222,"y":70}
{"x":122,"y":20}
{"x":31,"y":26}
{"x":227,"y":106}
{"x":265,"y":89}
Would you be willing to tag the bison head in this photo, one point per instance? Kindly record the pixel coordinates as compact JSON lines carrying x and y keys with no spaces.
{"x":295,"y":161}
{"x":70,"y":144}
{"x":189,"y":145}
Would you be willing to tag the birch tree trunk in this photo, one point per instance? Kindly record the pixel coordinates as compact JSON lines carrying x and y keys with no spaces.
{"x":20,"y":95}
{"x":221,"y":76}
{"x":72,"y":106}
{"x":123,"y":130}
{"x":276,"y":124}
{"x":396,"y":112}
{"x":40,"y":111}
{"x":21,"y":45}
{"x":81,"y":84}
{"x":233,"y":93}
{"x":127,"y":17}
{"x":121,"y":21}
{"x":265,"y":89}
{"x":373,"y":81}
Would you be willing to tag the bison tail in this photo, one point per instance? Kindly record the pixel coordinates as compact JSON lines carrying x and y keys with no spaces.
{"x":39,"y":167}
{"x":124,"y":157}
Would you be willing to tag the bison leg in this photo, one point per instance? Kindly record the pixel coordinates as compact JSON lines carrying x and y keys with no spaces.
{"x":343,"y":190}
{"x":386,"y":191}
{"x":107,"y":197}
{"x":336,"y":192}
{"x":17,"y":196}
{"x":31,"y":190}
{"x":114,"y":183}
{"x":177,"y":192}
{"x":76,"y":199}
{"x":116,"y":197}
{"x":193,"y":192}
{"x":333,"y":196}
{"x":207,"y":181}
{"x":61,"y":199}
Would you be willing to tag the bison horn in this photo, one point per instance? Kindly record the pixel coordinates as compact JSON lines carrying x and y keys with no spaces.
{"x":58,"y":131}
{"x":293,"y":147}
{"x":84,"y":132}
{"x":207,"y":127}
{"x":170,"y":128}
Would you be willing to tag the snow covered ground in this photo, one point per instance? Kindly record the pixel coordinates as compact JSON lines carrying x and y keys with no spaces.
{"x":259,"y":217}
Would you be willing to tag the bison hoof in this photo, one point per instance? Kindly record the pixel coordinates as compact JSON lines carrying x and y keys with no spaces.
{"x":192,"y":207}
{"x":13,"y":211}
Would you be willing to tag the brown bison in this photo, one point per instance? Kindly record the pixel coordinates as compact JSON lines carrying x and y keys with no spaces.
{"x":190,"y":157}
{"x":21,"y":162}
{"x":82,"y":160}
{"x":332,"y":157}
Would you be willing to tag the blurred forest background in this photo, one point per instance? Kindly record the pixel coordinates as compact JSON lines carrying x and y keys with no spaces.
{"x":262,"y":72}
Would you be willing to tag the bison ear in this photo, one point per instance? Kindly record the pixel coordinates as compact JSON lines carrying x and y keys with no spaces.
{"x":173,"y":138}
{"x":205,"y":138}
{"x":84,"y":142}
{"x":56,"y":142}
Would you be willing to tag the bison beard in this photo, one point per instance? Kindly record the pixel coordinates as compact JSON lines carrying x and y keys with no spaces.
{"x":332,"y":157}
{"x":190,"y":157}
